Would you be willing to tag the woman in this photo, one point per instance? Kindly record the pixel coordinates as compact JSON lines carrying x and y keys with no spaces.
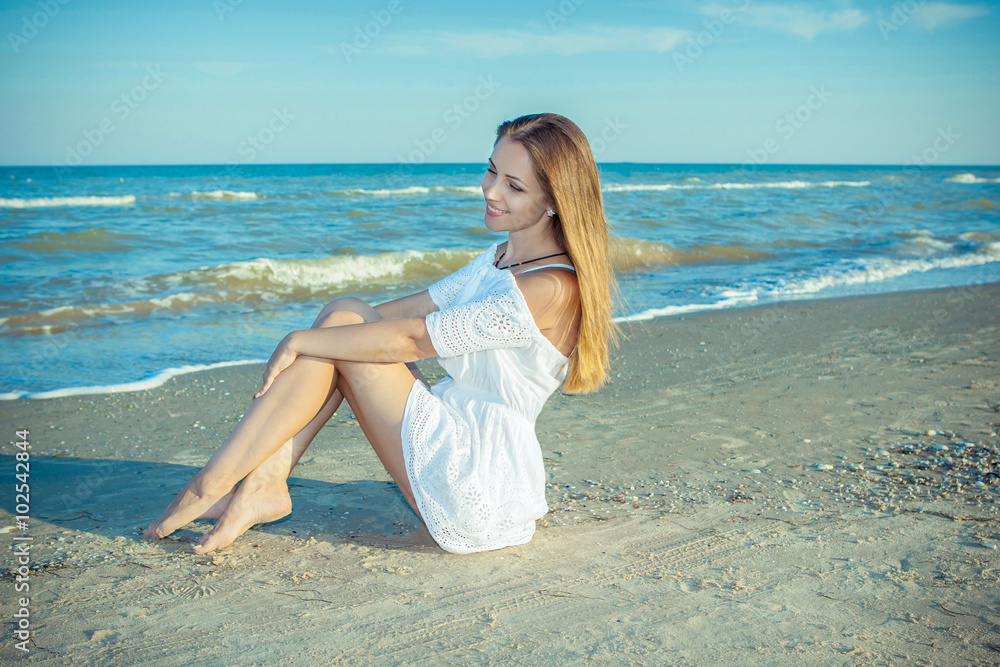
{"x":509,"y":328}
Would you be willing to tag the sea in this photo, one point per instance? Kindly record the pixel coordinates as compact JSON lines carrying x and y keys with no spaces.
{"x":118,"y":278}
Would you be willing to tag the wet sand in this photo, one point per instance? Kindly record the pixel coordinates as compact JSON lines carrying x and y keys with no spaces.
{"x":808,"y":483}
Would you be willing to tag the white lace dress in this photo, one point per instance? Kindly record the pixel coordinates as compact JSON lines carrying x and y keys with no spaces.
{"x":472,"y":457}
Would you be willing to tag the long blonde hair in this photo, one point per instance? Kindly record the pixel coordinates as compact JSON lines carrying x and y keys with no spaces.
{"x":564,"y":165}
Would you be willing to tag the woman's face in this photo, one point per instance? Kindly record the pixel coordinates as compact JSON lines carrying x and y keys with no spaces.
{"x":514,"y":197}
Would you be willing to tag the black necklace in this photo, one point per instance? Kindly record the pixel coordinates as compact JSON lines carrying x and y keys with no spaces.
{"x":496,"y":264}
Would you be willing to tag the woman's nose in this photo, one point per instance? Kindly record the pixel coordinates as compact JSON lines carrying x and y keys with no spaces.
{"x":490,"y":190}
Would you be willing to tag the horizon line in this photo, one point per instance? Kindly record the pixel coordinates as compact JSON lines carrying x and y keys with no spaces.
{"x":429,"y":164}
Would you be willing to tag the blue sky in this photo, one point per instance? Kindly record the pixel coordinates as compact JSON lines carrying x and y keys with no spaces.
{"x":215,"y":82}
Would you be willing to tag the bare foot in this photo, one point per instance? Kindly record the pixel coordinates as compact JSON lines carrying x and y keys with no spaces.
{"x":216,"y":510}
{"x":250,"y":505}
{"x":193,"y":502}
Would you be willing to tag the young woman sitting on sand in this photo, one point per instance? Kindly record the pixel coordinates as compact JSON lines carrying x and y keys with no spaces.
{"x":509,"y":328}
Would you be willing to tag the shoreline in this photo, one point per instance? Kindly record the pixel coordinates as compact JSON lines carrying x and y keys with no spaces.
{"x":808,"y":482}
{"x":159,"y":378}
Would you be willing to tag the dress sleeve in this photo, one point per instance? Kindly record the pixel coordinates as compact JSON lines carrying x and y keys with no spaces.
{"x":444,"y":291}
{"x":498,"y":319}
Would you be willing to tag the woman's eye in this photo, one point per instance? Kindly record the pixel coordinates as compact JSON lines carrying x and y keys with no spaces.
{"x":514,"y":188}
{"x":491,"y":170}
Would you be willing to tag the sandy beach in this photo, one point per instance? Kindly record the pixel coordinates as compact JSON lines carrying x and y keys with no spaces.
{"x":808,"y":483}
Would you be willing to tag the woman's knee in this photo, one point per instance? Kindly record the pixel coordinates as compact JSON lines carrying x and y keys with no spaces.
{"x":345,"y":310}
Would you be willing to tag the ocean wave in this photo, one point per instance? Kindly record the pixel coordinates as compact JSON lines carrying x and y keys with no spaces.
{"x":291,"y":277}
{"x":219,"y":195}
{"x":970,"y":178}
{"x":254,"y":281}
{"x":858,"y":272}
{"x":62,"y":318}
{"x":729,"y":299}
{"x":141,"y":385}
{"x":329,"y":273}
{"x":926,"y":244}
{"x":981,"y":202}
{"x":639,"y":187}
{"x":43,"y":202}
{"x":636,"y":254}
{"x":844,"y":274}
{"x":95,"y":238}
{"x":265,"y":279}
{"x":411,"y":190}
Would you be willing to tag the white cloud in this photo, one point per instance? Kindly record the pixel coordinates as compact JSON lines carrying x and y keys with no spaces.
{"x":500,"y":43}
{"x":799,"y":20}
{"x":934,"y":14}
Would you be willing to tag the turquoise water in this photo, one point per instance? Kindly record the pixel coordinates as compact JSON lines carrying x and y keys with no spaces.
{"x":115,"y":274}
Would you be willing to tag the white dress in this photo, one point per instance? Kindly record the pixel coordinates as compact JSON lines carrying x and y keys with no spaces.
{"x":472,"y":457}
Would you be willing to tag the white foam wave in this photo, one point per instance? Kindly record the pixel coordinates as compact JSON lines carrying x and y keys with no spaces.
{"x":846,"y":274}
{"x":316,"y":273}
{"x":730,"y":299}
{"x":140,"y":385}
{"x":970,"y":178}
{"x":733,"y":186}
{"x":853,"y":272}
{"x":331,"y":272}
{"x":186,"y":299}
{"x":40,"y":202}
{"x":930,"y":244}
{"x":219,"y":195}
{"x":412,"y":190}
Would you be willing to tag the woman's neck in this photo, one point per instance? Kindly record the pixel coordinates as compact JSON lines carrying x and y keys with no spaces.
{"x":530,"y":243}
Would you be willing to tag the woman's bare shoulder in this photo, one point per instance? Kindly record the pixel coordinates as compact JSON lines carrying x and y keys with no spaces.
{"x":551,"y":294}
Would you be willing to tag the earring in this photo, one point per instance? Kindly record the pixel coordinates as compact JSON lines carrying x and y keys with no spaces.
{"x":550,"y":213}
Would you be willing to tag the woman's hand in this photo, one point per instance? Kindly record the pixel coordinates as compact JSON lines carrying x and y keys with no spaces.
{"x":281,"y":359}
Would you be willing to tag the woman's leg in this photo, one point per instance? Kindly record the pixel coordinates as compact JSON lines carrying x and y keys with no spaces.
{"x":298,"y":408}
{"x":305,"y":387}
{"x":279,"y":466}
{"x":268,"y":482}
{"x":377,"y":393}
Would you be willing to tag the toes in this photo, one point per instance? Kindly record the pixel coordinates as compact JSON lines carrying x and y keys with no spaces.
{"x":156,"y":531}
{"x":216,"y":539}
{"x":206,"y":545}
{"x":239,"y":516}
{"x":191,"y":504}
{"x":222,"y":535}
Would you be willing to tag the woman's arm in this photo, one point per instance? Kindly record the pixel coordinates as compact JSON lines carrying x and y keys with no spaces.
{"x":415,"y":305}
{"x":385,"y":341}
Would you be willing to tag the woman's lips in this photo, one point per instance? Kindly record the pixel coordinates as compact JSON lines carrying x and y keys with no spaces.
{"x":493,"y":211}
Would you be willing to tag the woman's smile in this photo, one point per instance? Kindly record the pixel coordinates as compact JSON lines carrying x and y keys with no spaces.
{"x":494,"y":211}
